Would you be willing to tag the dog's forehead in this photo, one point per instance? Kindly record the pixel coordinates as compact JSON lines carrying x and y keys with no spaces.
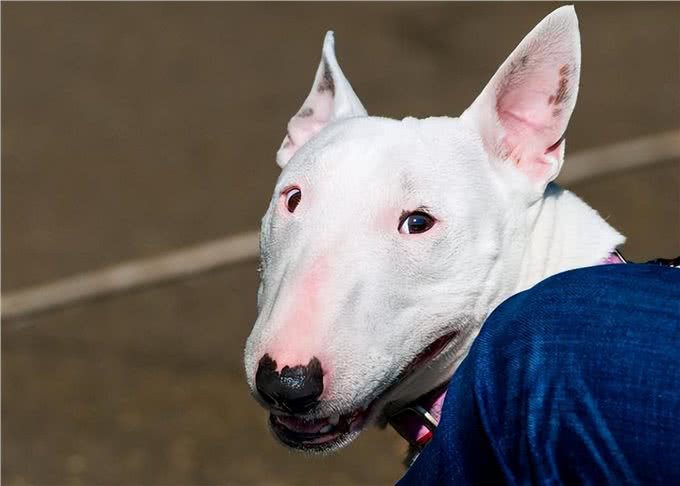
{"x":385,"y":154}
{"x":348,"y":147}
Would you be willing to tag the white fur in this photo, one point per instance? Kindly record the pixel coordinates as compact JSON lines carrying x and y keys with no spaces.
{"x":380,"y":297}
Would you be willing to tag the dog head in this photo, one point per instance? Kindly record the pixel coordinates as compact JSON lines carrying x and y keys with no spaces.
{"x":380,"y":247}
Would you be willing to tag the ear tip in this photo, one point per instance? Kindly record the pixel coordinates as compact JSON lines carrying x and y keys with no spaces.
{"x":566,"y":13}
{"x":329,"y":41}
{"x":563,"y":24}
{"x":571,"y":8}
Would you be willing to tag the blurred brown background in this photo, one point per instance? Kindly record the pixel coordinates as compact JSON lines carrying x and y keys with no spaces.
{"x":130,"y":129}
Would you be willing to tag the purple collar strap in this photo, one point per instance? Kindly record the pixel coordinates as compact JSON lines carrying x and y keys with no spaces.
{"x":417,"y":421}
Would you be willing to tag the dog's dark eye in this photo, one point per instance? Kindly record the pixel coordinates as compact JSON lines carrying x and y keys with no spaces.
{"x":293,"y":197}
{"x":417,"y":222}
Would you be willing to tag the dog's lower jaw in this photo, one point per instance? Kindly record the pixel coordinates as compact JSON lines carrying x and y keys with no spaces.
{"x":316,"y":446}
{"x":348,"y":427}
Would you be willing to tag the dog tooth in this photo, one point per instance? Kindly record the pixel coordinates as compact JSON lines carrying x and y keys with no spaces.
{"x":326,"y":429}
{"x":334,"y":419}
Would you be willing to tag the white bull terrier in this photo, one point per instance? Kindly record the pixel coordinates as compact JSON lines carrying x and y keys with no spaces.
{"x":387,"y":243}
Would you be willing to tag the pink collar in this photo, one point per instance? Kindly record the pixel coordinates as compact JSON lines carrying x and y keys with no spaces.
{"x":417,"y":421}
{"x":614,"y":258}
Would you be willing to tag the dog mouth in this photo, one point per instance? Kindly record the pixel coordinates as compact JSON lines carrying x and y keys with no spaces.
{"x":317,"y":434}
{"x":328,"y":433}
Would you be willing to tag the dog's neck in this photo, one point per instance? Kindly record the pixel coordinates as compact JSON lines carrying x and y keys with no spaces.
{"x":563,"y":233}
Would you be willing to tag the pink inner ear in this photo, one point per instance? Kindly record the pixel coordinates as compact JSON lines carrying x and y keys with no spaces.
{"x":531,"y":109}
{"x":315,"y":114}
{"x":312,"y":117}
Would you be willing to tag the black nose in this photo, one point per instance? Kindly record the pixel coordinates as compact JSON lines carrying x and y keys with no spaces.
{"x":294,"y":390}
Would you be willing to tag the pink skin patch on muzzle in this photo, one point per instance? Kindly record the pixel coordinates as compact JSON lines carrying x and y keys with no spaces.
{"x":301,"y":337}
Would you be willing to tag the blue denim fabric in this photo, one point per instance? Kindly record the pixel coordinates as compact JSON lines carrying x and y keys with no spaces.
{"x":575,"y":381}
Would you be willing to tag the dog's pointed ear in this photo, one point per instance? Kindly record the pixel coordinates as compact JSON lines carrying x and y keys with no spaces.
{"x":331,"y":98}
{"x":524,"y":110}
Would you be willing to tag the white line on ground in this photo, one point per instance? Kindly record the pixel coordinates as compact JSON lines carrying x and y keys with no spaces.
{"x":619,"y":157}
{"x":131,"y":274}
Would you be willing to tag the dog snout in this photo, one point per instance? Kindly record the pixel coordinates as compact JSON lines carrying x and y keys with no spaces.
{"x":293,"y":390}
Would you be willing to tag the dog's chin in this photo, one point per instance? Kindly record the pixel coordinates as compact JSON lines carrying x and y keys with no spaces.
{"x":327,"y":434}
{"x":318,"y":436}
